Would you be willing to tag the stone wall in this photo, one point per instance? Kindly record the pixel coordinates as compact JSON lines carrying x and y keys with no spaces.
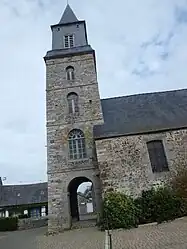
{"x":61,"y":170}
{"x":85,"y":85}
{"x":125,"y":165}
{"x":31,"y":223}
{"x":59,"y":199}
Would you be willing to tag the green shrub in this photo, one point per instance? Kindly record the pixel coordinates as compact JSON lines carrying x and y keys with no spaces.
{"x":159,"y":205}
{"x":179,"y":184}
{"x":119,"y":211}
{"x":146,"y":206}
{"x":155,"y":205}
{"x":8,"y":224}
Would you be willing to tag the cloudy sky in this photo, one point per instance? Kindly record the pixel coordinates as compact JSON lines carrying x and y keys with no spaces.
{"x":141,"y":46}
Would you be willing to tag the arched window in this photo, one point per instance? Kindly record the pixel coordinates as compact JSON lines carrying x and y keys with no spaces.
{"x":157,"y":156}
{"x":73,"y":103}
{"x":70,"y":73}
{"x":77,"y":148}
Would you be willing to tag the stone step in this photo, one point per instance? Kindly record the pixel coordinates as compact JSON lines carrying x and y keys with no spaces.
{"x":83,"y":224}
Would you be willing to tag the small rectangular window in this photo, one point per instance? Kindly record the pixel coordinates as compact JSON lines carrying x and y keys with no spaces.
{"x":43,"y":211}
{"x":157,"y":156}
{"x":68,"y":41}
{"x":35,"y":212}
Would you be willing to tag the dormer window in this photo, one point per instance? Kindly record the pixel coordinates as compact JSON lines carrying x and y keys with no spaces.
{"x":69,"y":41}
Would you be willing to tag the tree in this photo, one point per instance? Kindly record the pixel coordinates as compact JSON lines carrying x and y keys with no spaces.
{"x":179,"y":183}
{"x":88,"y":192}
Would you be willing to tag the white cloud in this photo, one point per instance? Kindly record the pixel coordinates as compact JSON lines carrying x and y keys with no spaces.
{"x":140,"y":47}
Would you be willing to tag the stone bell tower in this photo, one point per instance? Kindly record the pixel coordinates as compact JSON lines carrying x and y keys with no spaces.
{"x":73,"y":108}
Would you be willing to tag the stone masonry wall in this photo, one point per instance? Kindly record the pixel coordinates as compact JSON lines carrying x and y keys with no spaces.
{"x":125,"y":165}
{"x":85,"y":85}
{"x":59,"y":121}
{"x":61,"y":170}
{"x":31,"y":223}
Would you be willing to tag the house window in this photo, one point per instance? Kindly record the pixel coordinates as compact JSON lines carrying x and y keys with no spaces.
{"x":157,"y":156}
{"x":68,"y":41}
{"x":43,"y":211}
{"x":77,"y":148}
{"x":2,"y":214}
{"x":35,"y":212}
{"x":25,"y":212}
{"x":70,"y":73}
{"x":73,"y":103}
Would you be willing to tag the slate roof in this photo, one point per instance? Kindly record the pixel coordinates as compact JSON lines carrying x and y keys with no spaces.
{"x":11,"y":195}
{"x":68,"y":16}
{"x":143,"y":113}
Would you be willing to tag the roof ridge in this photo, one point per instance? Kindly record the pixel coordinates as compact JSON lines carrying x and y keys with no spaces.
{"x":20,"y":185}
{"x":147,"y":93}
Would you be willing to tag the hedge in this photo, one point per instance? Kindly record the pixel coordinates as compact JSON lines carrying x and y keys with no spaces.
{"x":159,"y":205}
{"x":179,"y":183}
{"x":9,"y":224}
{"x":119,"y":211}
{"x":155,"y":205}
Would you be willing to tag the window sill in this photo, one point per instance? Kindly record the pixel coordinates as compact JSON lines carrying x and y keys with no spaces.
{"x":161,"y":172}
{"x":159,"y":175}
{"x":78,"y":162}
{"x":75,"y":114}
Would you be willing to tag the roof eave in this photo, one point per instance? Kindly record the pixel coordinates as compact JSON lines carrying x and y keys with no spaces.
{"x":109,"y":136}
{"x":66,"y":24}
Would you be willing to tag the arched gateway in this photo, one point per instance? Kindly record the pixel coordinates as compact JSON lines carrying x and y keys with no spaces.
{"x":73,"y":109}
{"x":79,"y":203}
{"x":74,"y":197}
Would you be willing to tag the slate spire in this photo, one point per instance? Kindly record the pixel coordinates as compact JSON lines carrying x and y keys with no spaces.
{"x":68,"y":16}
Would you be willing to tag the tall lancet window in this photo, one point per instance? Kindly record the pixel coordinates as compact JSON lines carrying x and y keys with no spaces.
{"x":73,"y":104}
{"x":70,"y":73}
{"x":77,"y":147}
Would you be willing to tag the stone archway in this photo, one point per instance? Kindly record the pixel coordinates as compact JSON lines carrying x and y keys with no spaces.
{"x":73,"y":197}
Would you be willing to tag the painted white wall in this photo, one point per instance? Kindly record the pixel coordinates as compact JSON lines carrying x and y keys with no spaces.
{"x":89,"y":207}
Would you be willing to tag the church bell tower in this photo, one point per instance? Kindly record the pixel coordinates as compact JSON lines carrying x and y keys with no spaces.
{"x":73,"y":108}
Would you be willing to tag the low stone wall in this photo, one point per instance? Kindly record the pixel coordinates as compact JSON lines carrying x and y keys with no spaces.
{"x":30,"y":223}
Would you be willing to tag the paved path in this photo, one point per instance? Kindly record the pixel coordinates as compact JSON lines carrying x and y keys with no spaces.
{"x":172,"y":235}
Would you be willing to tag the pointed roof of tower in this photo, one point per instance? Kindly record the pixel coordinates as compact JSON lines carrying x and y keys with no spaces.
{"x":68,"y":16}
